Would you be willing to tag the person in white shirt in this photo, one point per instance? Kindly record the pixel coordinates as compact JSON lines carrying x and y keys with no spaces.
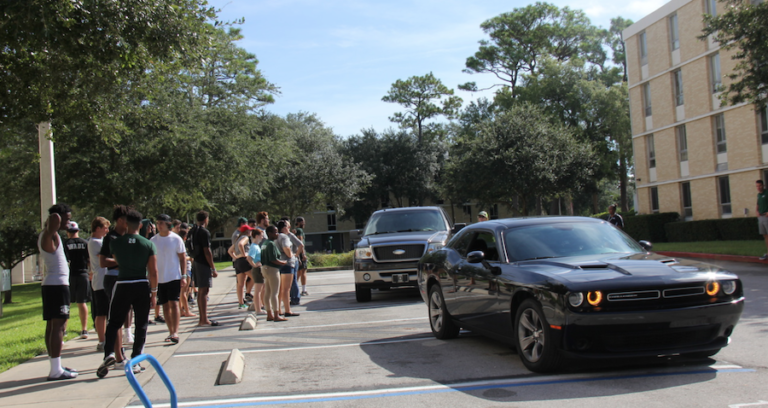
{"x":100,"y":302}
{"x":171,"y":266}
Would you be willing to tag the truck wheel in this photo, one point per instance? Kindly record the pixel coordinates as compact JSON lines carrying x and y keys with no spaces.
{"x":362,"y":294}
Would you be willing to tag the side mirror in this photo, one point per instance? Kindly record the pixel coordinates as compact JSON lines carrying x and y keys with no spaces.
{"x":457,"y":227}
{"x":475,"y":257}
{"x":645,"y":244}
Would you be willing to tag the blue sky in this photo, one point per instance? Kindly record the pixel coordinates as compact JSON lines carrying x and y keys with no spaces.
{"x":337,"y":58}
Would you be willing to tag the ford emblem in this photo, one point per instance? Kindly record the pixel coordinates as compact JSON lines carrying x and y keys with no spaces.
{"x":399,"y":252}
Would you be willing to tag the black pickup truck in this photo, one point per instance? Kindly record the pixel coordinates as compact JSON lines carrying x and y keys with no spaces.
{"x":393,"y":241}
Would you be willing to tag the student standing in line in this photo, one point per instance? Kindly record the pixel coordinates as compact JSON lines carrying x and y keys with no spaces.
{"x":100,"y":302}
{"x":76,"y":251}
{"x":171,"y":266}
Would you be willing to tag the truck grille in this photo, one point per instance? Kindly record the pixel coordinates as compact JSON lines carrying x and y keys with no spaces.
{"x":398,"y":253}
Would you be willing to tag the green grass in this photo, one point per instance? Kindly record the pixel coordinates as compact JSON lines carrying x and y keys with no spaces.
{"x":747,"y":248}
{"x":23,"y":328}
{"x":221,"y":265}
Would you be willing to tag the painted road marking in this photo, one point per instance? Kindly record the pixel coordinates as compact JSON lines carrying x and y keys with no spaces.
{"x":439,"y":388}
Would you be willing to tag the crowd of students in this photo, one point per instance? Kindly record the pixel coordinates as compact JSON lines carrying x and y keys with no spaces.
{"x":136,"y":265}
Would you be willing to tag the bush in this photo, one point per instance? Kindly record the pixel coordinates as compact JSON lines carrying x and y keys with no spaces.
{"x":624,"y":214}
{"x":321,"y":260}
{"x":649,"y":227}
{"x":732,"y":229}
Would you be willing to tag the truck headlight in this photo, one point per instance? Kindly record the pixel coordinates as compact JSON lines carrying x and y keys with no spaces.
{"x":434,"y":246}
{"x":364,"y":253}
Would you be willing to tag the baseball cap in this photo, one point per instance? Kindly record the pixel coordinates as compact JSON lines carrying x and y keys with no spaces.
{"x":72,"y":226}
{"x":242,"y":220}
{"x":482,"y":214}
{"x":246,"y":227}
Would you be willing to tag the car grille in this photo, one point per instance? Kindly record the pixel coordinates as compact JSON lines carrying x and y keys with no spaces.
{"x":386,"y":253}
{"x":660,"y":340}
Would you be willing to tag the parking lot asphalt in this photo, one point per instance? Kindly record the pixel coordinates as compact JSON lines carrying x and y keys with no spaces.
{"x":382,"y":353}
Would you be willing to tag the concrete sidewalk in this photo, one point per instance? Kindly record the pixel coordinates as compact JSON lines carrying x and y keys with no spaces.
{"x":25,"y":385}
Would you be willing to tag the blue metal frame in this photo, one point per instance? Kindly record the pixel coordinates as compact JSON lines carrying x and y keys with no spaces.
{"x":137,"y":387}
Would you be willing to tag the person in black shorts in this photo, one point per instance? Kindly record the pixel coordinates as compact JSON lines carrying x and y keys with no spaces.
{"x":135,"y":288}
{"x":203,"y":268}
{"x":76,"y":251}
{"x":106,"y":260}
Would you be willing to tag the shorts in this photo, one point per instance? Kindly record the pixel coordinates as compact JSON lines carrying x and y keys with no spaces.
{"x":256,"y":275}
{"x":168,"y":292}
{"x":762,"y":224}
{"x":203,"y":275}
{"x":55,"y":302}
{"x":100,"y":303}
{"x":79,"y":288}
{"x":286,"y":269}
{"x":242,"y":265}
{"x":109,"y":286}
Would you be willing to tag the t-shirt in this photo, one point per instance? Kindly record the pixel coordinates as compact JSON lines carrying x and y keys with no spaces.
{"x":76,"y":251}
{"x":201,"y":239}
{"x":132,"y":251}
{"x":255,"y":253}
{"x":94,"y":247}
{"x":616,"y":220}
{"x":288,"y":240}
{"x":269,"y":253}
{"x":762,"y":202}
{"x":300,"y":234}
{"x":241,"y":238}
{"x":168,"y":250}
{"x":111,"y":235}
{"x":56,"y":268}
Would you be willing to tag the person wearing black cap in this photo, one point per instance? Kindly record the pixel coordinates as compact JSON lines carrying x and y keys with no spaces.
{"x":76,"y":251}
{"x":171,"y":266}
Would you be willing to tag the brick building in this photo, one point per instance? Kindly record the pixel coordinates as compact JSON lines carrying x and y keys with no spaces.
{"x":692,"y":154}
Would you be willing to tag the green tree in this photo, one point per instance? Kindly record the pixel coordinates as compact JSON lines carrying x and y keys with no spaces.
{"x":742,"y":28}
{"x":417,"y":94}
{"x":521,"y":38}
{"x":18,"y":240}
{"x":519,"y":154}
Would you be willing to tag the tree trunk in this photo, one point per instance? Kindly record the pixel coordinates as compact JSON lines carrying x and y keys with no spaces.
{"x":595,"y":203}
{"x":538,"y":205}
{"x":8,"y":298}
{"x":623,"y":180}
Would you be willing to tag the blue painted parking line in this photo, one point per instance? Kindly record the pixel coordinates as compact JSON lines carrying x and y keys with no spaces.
{"x":434,"y":389}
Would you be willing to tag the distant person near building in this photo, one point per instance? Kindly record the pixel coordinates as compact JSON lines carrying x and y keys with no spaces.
{"x":302,"y":273}
{"x":76,"y":251}
{"x":55,"y":289}
{"x":614,"y":218}
{"x":762,"y":214}
{"x":482,"y":216}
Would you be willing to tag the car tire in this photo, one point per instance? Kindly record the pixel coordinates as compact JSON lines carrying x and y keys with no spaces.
{"x":362,"y":294}
{"x":440,"y":321}
{"x":534,"y":340}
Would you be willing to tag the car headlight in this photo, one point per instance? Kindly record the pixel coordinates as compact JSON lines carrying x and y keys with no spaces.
{"x":364,"y":253}
{"x":594,"y":298}
{"x":434,"y":246}
{"x":712,"y":288}
{"x":575,"y":299}
{"x":729,"y":287}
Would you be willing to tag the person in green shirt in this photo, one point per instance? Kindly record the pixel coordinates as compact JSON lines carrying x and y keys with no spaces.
{"x":762,"y":214}
{"x":135,"y":255}
{"x":271,"y":263}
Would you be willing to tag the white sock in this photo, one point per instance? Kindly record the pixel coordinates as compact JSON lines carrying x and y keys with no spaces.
{"x":56,"y":369}
{"x":303,"y":288}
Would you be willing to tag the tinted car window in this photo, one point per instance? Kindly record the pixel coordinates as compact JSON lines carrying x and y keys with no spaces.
{"x":566,"y":239}
{"x":404,"y":221}
{"x":460,"y":242}
{"x":485,"y":241}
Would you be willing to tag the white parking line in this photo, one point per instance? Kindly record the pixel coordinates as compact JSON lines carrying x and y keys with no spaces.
{"x":341,"y":324}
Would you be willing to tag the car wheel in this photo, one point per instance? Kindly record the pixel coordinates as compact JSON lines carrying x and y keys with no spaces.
{"x":443,"y":326}
{"x":534,"y":340}
{"x":362,"y":294}
{"x":701,"y":354}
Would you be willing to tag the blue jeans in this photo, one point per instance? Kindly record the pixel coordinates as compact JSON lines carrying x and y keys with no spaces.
{"x":295,"y":292}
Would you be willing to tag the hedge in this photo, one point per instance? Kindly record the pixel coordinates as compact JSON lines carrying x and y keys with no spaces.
{"x":731,"y":229}
{"x":649,"y":227}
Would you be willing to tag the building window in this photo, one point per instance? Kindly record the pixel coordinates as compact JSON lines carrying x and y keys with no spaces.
{"x":764,"y":125}
{"x":724,"y":188}
{"x":682,"y":143}
{"x":711,"y":7}
{"x":359,"y":224}
{"x":678,"y":79}
{"x":385,"y":201}
{"x":674,"y":32}
{"x":331,"y":217}
{"x":714,"y":69}
{"x":654,"y":199}
{"x":494,"y":212}
{"x":687,"y":206}
{"x":720,"y":133}
{"x":468,"y":210}
{"x":647,"y":98}
{"x":643,"y":48}
{"x":651,"y":152}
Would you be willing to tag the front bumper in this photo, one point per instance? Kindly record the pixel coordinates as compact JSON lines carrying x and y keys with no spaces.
{"x":650,"y":333}
{"x":380,"y":274}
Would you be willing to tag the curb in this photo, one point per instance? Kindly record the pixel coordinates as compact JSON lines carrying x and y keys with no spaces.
{"x":718,"y":257}
{"x":330,"y":268}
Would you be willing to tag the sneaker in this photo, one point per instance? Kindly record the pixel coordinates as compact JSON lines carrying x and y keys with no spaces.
{"x":304,"y":293}
{"x":103,"y":370}
{"x":100,"y":346}
{"x":160,"y":319}
{"x":119,"y":366}
{"x":764,"y":257}
{"x":84,"y":334}
{"x":243,"y":306}
{"x":65,"y":375}
{"x":248,"y":296}
{"x":137,"y":369}
{"x":128,"y":337}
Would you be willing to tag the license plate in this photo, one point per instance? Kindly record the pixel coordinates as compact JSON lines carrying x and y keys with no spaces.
{"x":399,"y":278}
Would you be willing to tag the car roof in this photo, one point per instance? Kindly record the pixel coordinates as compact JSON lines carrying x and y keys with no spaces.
{"x":400,"y":209}
{"x":502,"y":224}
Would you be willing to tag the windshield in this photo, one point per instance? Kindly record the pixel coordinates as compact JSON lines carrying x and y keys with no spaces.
{"x":405,"y":221}
{"x":566,"y":239}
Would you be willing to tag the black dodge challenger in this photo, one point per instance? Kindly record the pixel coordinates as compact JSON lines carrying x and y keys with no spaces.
{"x":559,"y":287}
